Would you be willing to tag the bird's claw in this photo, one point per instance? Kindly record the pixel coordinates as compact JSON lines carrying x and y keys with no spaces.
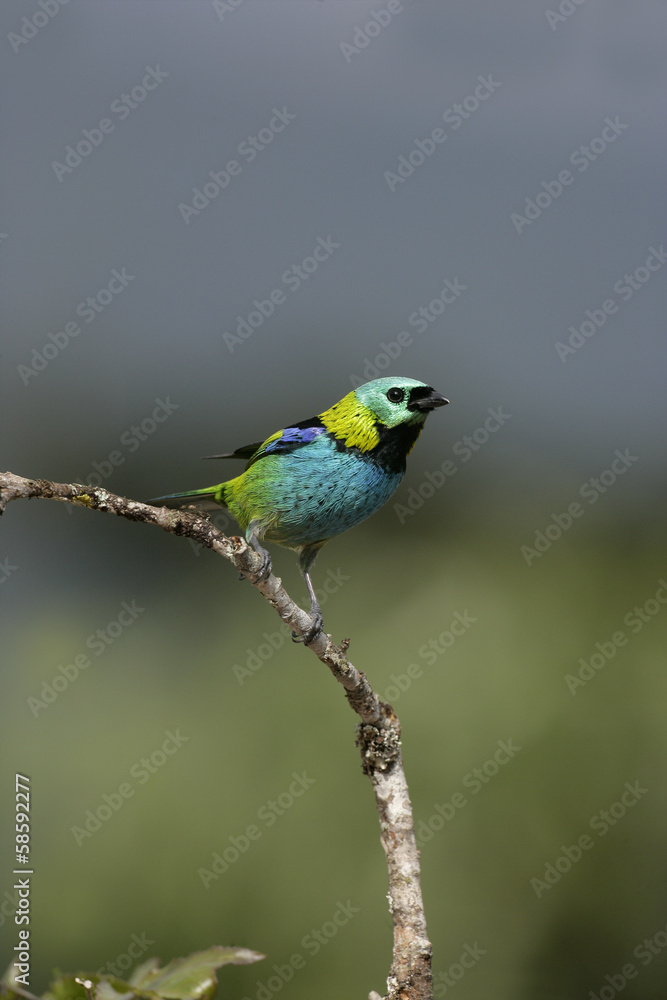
{"x":264,"y":571}
{"x":315,"y":629}
{"x":265,"y":567}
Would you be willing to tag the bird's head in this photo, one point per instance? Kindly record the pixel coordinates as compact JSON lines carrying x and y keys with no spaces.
{"x":395,"y":401}
{"x":364,"y":417}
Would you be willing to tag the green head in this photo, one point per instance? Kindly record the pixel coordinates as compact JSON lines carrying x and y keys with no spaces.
{"x":385,"y":402}
{"x":396,"y":401}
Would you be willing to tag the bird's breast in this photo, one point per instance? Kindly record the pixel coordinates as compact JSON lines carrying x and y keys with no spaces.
{"x":313,"y":493}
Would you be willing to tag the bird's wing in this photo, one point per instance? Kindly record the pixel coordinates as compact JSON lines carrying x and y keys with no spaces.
{"x":290,"y":439}
{"x":281,"y":443}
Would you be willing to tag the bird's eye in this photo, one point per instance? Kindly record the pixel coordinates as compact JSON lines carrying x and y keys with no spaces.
{"x":395,"y":395}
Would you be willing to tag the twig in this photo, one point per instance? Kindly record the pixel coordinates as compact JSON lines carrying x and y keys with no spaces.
{"x":378,"y":734}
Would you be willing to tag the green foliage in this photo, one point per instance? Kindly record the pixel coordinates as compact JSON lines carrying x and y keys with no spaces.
{"x":190,"y":978}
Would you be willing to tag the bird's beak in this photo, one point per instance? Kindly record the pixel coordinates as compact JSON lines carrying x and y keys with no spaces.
{"x":426,"y":399}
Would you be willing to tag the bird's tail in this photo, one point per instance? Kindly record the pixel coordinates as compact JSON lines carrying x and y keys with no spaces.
{"x":207,"y":499}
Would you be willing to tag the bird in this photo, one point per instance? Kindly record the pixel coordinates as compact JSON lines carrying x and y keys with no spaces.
{"x":319,"y":477}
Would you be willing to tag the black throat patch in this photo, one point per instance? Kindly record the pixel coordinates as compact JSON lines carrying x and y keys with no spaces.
{"x":395,"y":445}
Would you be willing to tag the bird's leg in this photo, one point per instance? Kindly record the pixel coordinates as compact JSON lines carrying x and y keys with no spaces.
{"x":305,"y":562}
{"x":265,"y":569}
{"x":315,"y":614}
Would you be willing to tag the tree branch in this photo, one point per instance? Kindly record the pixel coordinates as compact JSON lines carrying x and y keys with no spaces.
{"x":378,"y":734}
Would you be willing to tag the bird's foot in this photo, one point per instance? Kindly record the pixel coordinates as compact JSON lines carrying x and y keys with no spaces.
{"x":265,"y":568}
{"x":317,"y":621}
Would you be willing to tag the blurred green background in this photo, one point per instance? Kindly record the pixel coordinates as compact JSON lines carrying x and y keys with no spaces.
{"x":204,"y":659}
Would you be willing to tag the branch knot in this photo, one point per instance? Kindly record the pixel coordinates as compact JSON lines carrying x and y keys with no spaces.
{"x":380,"y":748}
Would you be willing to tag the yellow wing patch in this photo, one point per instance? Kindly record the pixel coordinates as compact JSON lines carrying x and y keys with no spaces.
{"x":352,"y":422}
